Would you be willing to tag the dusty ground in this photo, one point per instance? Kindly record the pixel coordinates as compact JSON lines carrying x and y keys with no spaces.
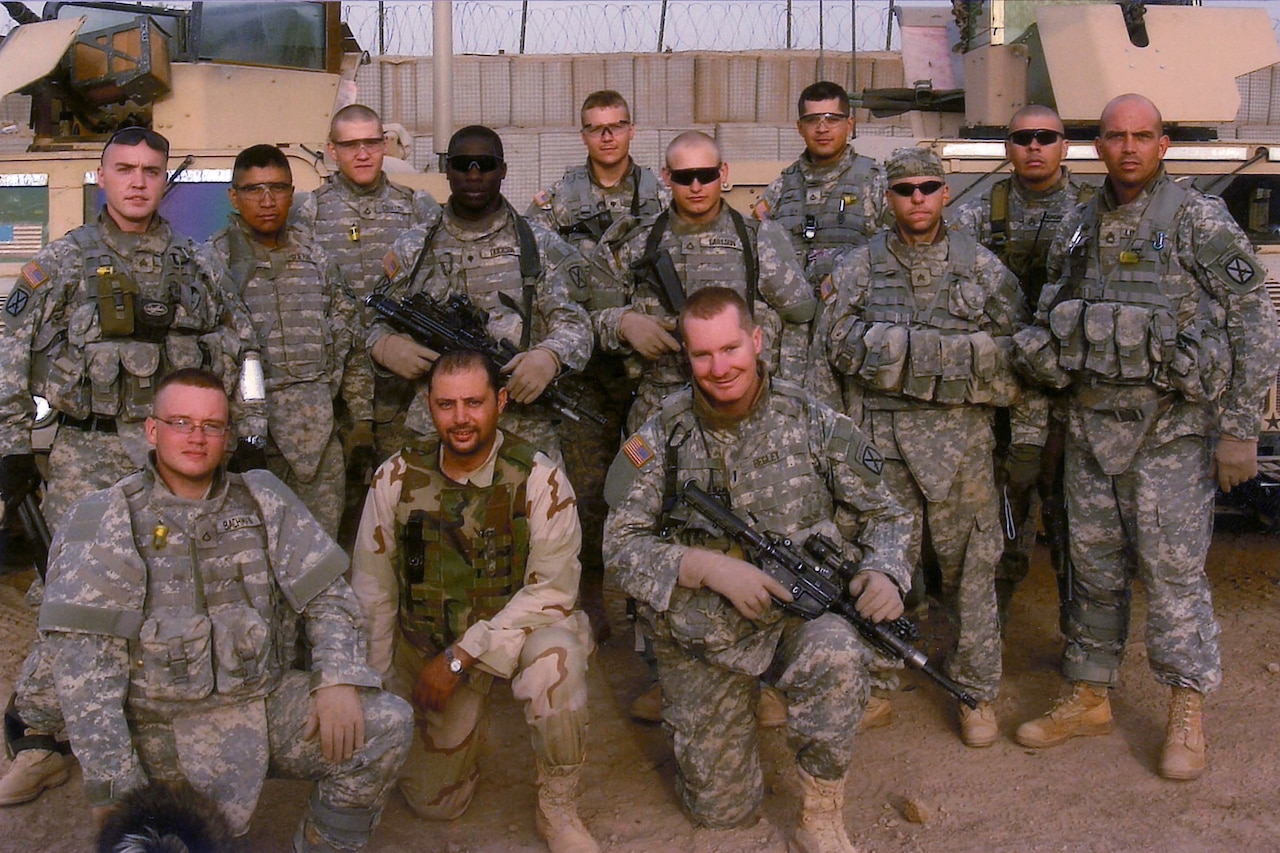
{"x":1097,"y":794}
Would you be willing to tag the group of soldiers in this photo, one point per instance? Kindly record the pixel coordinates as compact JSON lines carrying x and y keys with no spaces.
{"x":842,"y":361}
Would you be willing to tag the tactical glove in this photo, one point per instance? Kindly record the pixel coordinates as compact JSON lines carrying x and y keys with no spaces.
{"x":1022,"y":467}
{"x":357,"y":446}
{"x":18,"y":476}
{"x":249,"y":454}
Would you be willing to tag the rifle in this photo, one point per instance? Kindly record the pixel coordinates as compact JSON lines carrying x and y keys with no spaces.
{"x":33,"y":524}
{"x":817,"y":579}
{"x":668,"y":279}
{"x":460,"y":324}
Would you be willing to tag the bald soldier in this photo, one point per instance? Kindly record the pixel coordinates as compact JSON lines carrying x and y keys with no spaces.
{"x":1158,"y":329}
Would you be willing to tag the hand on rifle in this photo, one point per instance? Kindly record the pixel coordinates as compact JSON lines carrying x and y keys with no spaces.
{"x":403,"y":356}
{"x":647,"y":335}
{"x":18,"y":476}
{"x":531,"y":372}
{"x":749,"y":590}
{"x":875,"y":596}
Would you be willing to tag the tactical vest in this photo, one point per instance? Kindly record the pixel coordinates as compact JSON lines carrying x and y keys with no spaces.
{"x":1022,"y":243}
{"x":1112,"y":315}
{"x":580,"y":200}
{"x":212,"y":620}
{"x":357,"y":228}
{"x":133,"y":320}
{"x":932,"y":351}
{"x":771,"y":478}
{"x":837,"y":219}
{"x":288,"y":304}
{"x":462,"y":549}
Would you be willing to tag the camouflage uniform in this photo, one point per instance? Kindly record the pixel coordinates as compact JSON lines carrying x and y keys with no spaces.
{"x":1018,"y":224}
{"x":480,"y":260}
{"x":703,"y":255}
{"x":171,"y":625}
{"x":828,"y":210}
{"x":102,"y":380}
{"x":580,"y":209}
{"x":312,"y":350}
{"x":505,"y":595}
{"x":796,"y":467}
{"x":1159,"y":327}
{"x":923,"y":331}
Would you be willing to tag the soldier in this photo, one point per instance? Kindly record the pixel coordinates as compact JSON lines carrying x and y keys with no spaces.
{"x":831,"y":199}
{"x":643,"y":271}
{"x":1016,"y":218}
{"x":174,"y":599}
{"x":796,"y":467}
{"x":306,"y":324}
{"x":1158,"y":326}
{"x":490,"y":525}
{"x":582,"y":206}
{"x":93,"y":322}
{"x":355,"y":217}
{"x":920,"y":321}
{"x":524,"y":276}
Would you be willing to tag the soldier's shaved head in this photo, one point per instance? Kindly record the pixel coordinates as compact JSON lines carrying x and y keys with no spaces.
{"x":693,"y":140}
{"x":1037,"y":115}
{"x":1132,"y":99}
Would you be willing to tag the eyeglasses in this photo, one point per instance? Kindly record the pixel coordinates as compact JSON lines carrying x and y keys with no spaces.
{"x":1023,"y":138}
{"x":373,"y":143}
{"x":133,"y":135}
{"x":685,"y":177}
{"x":466,"y":162}
{"x":186,"y":426}
{"x":259,"y":192}
{"x":823,"y":119}
{"x":907,"y":190}
{"x":595,"y":131}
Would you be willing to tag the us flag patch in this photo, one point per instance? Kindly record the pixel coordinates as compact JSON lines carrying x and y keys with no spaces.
{"x":638,"y":451}
{"x":391,"y":265}
{"x":34,"y":275}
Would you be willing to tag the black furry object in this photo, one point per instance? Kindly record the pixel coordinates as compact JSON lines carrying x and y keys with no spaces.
{"x":163,"y":818}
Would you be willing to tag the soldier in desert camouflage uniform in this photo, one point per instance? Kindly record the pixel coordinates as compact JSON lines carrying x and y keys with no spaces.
{"x":476,"y":251}
{"x":173,"y":603}
{"x":709,"y":243}
{"x":1016,"y":218}
{"x":795,"y":467}
{"x":467,"y":568}
{"x":831,"y":200}
{"x":355,"y":218}
{"x":581,"y":206}
{"x":94,"y":321}
{"x":1157,"y":324}
{"x":309,"y":329}
{"x":920,"y":321}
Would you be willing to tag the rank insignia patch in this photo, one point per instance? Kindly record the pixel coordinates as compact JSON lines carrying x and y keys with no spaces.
{"x":637,"y":450}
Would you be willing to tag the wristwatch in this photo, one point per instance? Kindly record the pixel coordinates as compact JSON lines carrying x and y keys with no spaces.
{"x":455,"y":665}
{"x":258,"y":442}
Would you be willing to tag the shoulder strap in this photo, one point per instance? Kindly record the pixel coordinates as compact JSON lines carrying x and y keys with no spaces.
{"x":999,"y":209}
{"x":656,"y":231}
{"x":749,"y":254}
{"x":530,"y":270}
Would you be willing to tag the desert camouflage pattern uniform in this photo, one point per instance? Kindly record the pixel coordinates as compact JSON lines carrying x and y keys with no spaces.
{"x":795,"y":467}
{"x":1020,"y":236}
{"x":1159,"y":327}
{"x":703,"y":256}
{"x":312,"y":351}
{"x":480,"y":260}
{"x":171,"y":625}
{"x":356,"y":226}
{"x":923,"y":332}
{"x":580,"y":210}
{"x":522,"y":626}
{"x":828,"y":210}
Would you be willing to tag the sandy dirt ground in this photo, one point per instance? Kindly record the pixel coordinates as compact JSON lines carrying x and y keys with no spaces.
{"x":1094,"y":794}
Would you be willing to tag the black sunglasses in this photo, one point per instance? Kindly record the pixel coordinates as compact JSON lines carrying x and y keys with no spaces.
{"x":466,"y":162}
{"x":907,"y":190}
{"x":131,"y":136}
{"x":1023,"y":138}
{"x":686,"y":177}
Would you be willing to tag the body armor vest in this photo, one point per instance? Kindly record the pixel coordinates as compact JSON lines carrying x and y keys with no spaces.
{"x":463,"y":549}
{"x":921,"y":338}
{"x":357,"y":228}
{"x":133,"y":321}
{"x":826,"y":222}
{"x":1113,"y":316}
{"x":1022,"y":241}
{"x":288,"y":304}
{"x":211,"y":602}
{"x":579,"y":199}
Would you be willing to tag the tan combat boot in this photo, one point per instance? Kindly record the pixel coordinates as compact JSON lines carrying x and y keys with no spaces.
{"x":1087,"y":711}
{"x":978,"y":726}
{"x":821,"y":825}
{"x":771,"y":708}
{"x":1183,"y":757}
{"x":647,"y":707}
{"x":878,"y":713}
{"x":557,"y":818}
{"x":32,"y":771}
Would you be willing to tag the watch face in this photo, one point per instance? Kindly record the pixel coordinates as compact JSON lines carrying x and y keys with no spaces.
{"x":455,"y":666}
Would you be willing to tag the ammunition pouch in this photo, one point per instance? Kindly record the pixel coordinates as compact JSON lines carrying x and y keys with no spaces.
{"x":155,"y":316}
{"x":1200,"y":368}
{"x":1065,"y":324}
{"x":118,"y":295}
{"x":886,"y":356}
{"x":242,"y":646}
{"x":173,"y":658}
{"x":57,"y":372}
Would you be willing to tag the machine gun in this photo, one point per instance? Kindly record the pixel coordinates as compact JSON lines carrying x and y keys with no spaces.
{"x":817,"y":579}
{"x":460,"y":324}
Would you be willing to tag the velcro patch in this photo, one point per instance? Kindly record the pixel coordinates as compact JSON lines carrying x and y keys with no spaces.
{"x":761,"y":210}
{"x":1240,"y":269}
{"x":19,"y":299}
{"x":638,"y":451}
{"x":34,"y":274}
{"x":236,"y":522}
{"x":826,"y":288}
{"x":543,"y":199}
{"x":391,"y":265}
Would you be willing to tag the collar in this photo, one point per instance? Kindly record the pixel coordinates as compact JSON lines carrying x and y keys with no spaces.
{"x":466,"y":229}
{"x":1063,"y":178}
{"x":125,"y":242}
{"x":626,"y":176}
{"x":1108,"y":196}
{"x":283,"y":240}
{"x":679,"y":225}
{"x":809,"y":168}
{"x":216,"y":489}
{"x":355,"y":189}
{"x":482,"y":477}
